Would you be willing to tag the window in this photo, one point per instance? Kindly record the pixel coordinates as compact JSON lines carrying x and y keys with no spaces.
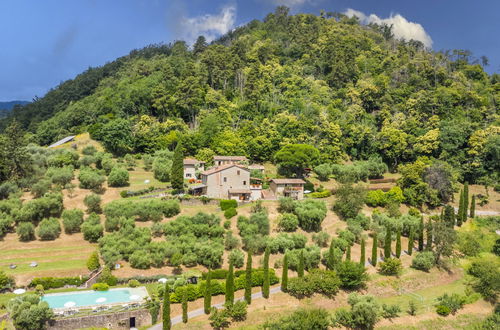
{"x":238,"y":172}
{"x":225,"y":179}
{"x":188,"y":175}
{"x":244,"y":183}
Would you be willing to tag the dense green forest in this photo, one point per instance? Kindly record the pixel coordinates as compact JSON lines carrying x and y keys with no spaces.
{"x":351,"y":91}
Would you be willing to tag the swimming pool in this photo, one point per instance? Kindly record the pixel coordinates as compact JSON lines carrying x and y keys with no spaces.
{"x":94,"y":298}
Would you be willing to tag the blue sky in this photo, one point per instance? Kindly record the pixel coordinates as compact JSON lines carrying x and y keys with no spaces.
{"x":44,"y":42}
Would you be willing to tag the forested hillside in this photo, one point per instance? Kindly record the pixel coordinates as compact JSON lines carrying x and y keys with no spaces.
{"x":352,"y":91}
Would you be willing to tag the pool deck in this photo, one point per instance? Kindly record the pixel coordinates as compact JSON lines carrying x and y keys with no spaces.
{"x":139,"y":291}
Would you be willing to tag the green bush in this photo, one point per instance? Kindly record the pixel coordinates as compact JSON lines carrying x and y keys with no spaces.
{"x":49,"y":229}
{"x":325,"y":282}
{"x":443,"y":310}
{"x":452,"y":303}
{"x":107,"y":277}
{"x":118,"y":177}
{"x":424,"y":261}
{"x":93,"y":262}
{"x":72,"y":220}
{"x":227,"y":204}
{"x":286,"y":205}
{"x":25,"y":231}
{"x":91,"y":179}
{"x":391,"y":266}
{"x":320,"y":194}
{"x":321,"y":239}
{"x":92,"y":229}
{"x":100,"y":287}
{"x":303,"y":318}
{"x":230,"y":212}
{"x":288,"y":222}
{"x":140,"y":259}
{"x":133,"y":283}
{"x":323,"y":171}
{"x":311,"y":214}
{"x":6,"y":282}
{"x":375,"y":198}
{"x":238,"y":311}
{"x":93,"y":203}
{"x":237,"y":258}
{"x":352,"y":275}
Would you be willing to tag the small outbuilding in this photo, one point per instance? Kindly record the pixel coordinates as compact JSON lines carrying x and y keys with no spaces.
{"x":293,"y":188}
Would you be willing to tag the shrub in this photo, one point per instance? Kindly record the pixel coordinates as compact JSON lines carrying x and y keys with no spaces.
{"x":230,"y":212}
{"x":133,"y":283}
{"x":107,"y":277}
{"x":93,"y":261}
{"x":6,"y":282}
{"x":321,"y":239}
{"x":237,"y":258}
{"x":323,"y":171}
{"x":310,"y":214}
{"x":227,"y":224}
{"x":40,"y":188}
{"x":93,"y":203}
{"x":350,"y":200}
{"x":286,"y":205}
{"x":28,"y":312}
{"x":375,"y":198}
{"x":352,"y":275}
{"x":364,"y":313}
{"x":283,"y":242}
{"x":72,"y":220}
{"x":227,"y":204}
{"x":312,"y":257}
{"x":92,"y":228}
{"x":424,"y":261}
{"x":486,"y":277}
{"x":25,"y":231}
{"x":452,"y":302}
{"x":238,"y":311}
{"x":320,"y":194}
{"x":89,"y":150}
{"x":91,"y":179}
{"x":288,"y":222}
{"x":100,"y":287}
{"x":391,"y":266}
{"x":230,"y":241}
{"x":390,"y":311}
{"x":57,"y":282}
{"x":140,"y":259}
{"x":118,"y":177}
{"x":303,"y":318}
{"x":325,"y":282}
{"x":49,"y":229}
{"x":219,"y":319}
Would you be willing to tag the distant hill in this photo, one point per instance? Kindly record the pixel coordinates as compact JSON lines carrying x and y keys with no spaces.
{"x":6,"y":107}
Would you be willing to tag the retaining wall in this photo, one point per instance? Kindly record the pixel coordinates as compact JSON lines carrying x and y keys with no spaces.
{"x":120,"y":320}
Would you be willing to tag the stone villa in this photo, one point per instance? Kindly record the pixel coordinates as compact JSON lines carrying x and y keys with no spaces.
{"x":293,"y":188}
{"x":191,"y":166}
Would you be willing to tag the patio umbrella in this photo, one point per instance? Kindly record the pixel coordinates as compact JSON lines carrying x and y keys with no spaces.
{"x":100,"y":300}
{"x":19,"y":291}
{"x":134,"y":297}
{"x":70,"y":304}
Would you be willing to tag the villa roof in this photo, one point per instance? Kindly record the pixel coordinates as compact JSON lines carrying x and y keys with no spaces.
{"x":288,"y":181}
{"x":192,"y":161}
{"x":222,"y":168}
{"x":240,"y":158}
{"x":256,"y":167}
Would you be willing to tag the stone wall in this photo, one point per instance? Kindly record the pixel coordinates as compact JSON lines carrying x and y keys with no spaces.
{"x":120,"y":320}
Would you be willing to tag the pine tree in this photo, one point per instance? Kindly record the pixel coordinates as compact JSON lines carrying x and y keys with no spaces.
{"x":265,"y":282}
{"x":466,"y":202}
{"x":449,"y":215}
{"x":184,"y":306}
{"x":428,"y":246}
{"x":410,"y":242}
{"x":348,"y":253}
{"x":473,"y":206}
{"x":362,"y":259}
{"x":300,"y":268}
{"x":177,"y":171}
{"x":398,"y":243}
{"x":387,"y":242}
{"x":460,"y":210}
{"x":230,"y":286}
{"x":374,"y":249}
{"x":248,"y":279}
{"x":284,"y":276}
{"x":208,"y":294}
{"x":421,"y":234}
{"x":166,"y":308}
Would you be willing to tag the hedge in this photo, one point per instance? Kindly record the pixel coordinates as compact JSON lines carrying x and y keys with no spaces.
{"x":230,"y":212}
{"x":195,"y":291}
{"x":143,"y":279}
{"x":322,"y":194}
{"x":227,"y":204}
{"x":57,"y":282}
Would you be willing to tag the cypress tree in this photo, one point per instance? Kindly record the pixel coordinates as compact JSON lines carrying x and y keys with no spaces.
{"x":330,"y":259}
{"x":466,"y":201}
{"x":208,"y":294}
{"x":184,"y":306}
{"x":387,"y":242}
{"x":374,"y":250}
{"x":410,"y":242}
{"x":460,"y":210}
{"x":449,"y":215}
{"x":300,"y":268}
{"x":473,"y":206}
{"x":421,"y":234}
{"x":284,"y":276}
{"x":265,"y":282}
{"x":348,"y":253}
{"x":177,"y":171}
{"x":230,"y":286}
{"x":362,"y":259}
{"x":428,"y":246}
{"x":248,"y":279}
{"x":398,"y":243}
{"x":166,"y":308}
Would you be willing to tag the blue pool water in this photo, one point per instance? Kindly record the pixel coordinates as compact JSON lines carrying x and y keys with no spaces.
{"x":88,"y":298}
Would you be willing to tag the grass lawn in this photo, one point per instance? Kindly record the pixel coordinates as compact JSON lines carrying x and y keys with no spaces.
{"x":465,"y":321}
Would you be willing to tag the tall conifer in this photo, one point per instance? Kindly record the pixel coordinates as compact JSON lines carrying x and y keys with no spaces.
{"x":374,"y":249}
{"x":248,"y":279}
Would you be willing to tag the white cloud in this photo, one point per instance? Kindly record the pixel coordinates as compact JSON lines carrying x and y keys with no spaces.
{"x":294,"y":4}
{"x":210,"y":26}
{"x":401,"y":27}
